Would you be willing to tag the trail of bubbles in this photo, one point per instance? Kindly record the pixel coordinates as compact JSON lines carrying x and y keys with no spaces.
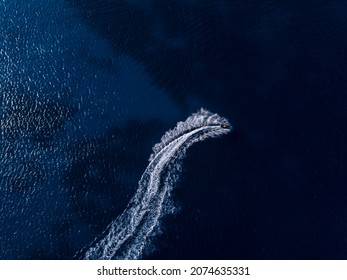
{"x":126,"y":237}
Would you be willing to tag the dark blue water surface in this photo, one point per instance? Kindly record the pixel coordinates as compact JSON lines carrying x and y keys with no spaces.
{"x":88,"y":87}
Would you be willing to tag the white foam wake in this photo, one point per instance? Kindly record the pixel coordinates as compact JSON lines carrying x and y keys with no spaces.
{"x":126,"y":237}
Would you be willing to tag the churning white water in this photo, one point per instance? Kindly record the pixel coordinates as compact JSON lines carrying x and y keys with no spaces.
{"x":126,"y":236}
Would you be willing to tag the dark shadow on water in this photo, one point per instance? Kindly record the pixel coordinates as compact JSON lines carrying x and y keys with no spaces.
{"x":277,"y":70}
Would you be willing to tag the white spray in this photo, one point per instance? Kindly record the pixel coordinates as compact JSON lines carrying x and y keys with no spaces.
{"x":126,"y":237}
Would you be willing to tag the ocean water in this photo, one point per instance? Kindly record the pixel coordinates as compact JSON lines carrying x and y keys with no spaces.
{"x":88,"y":87}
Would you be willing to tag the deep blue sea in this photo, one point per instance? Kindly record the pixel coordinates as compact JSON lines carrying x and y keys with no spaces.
{"x":87,"y":87}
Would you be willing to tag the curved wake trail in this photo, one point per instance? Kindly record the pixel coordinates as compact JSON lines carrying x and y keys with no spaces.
{"x":126,"y":236}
